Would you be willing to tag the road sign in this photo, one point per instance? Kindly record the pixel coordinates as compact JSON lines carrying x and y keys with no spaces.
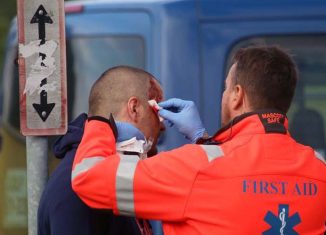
{"x":42,"y":67}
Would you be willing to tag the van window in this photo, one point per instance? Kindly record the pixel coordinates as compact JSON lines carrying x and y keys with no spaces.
{"x":307,"y":114}
{"x":87,"y":59}
{"x":11,"y":90}
{"x":91,"y":56}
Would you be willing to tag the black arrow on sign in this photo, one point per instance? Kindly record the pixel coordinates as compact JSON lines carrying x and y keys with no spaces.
{"x":41,"y":18}
{"x":44,"y":108}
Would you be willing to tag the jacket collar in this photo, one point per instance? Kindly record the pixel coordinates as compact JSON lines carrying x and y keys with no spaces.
{"x":131,"y":141}
{"x":258,"y":122}
{"x":135,"y":147}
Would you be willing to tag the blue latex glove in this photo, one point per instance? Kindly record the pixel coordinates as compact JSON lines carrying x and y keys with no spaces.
{"x":184,"y":115}
{"x":127,"y":131}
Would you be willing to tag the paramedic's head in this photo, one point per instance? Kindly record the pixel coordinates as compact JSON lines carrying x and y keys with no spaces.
{"x":259,"y":78}
{"x":124,"y":91}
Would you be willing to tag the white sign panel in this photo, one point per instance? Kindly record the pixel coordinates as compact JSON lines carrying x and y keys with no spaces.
{"x":42,"y":67}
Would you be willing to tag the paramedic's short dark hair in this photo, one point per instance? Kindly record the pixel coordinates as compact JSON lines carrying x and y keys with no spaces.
{"x":268,"y":75}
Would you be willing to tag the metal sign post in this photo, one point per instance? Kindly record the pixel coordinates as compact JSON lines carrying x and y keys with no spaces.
{"x":42,"y":88}
{"x":37,"y":172}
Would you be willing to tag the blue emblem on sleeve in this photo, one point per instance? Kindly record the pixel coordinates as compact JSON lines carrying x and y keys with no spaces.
{"x":281,"y":223}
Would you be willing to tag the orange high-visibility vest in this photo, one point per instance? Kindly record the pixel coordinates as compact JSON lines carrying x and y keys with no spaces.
{"x":250,"y":178}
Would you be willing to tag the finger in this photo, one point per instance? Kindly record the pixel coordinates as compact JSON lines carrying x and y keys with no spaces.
{"x":168,"y":123}
{"x":166,"y":114}
{"x":173,"y":102}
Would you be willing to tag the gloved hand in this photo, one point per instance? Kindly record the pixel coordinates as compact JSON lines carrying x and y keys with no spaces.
{"x":184,"y":115}
{"x":127,"y":131}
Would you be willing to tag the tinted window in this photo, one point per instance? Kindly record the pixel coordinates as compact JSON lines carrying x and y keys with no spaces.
{"x":11,"y":90}
{"x":92,"y":56}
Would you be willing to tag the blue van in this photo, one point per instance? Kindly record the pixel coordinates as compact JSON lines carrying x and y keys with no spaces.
{"x":187,"y":45}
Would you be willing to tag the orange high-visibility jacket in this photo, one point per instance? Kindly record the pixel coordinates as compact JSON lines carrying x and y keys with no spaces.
{"x":250,"y":178}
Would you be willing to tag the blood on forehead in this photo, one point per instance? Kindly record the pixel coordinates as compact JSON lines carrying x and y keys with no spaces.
{"x":155,"y":91}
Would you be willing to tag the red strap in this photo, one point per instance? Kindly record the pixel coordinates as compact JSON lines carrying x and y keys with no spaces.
{"x":144,"y":227}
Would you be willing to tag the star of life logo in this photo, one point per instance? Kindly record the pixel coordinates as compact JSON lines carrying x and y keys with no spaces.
{"x":281,"y":223}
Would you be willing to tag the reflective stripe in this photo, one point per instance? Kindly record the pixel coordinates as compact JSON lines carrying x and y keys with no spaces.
{"x":320,"y":157}
{"x":85,"y":165}
{"x":212,"y":151}
{"x":125,"y":184}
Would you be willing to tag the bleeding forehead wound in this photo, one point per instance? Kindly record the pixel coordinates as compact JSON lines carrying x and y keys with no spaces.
{"x":155,"y":91}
